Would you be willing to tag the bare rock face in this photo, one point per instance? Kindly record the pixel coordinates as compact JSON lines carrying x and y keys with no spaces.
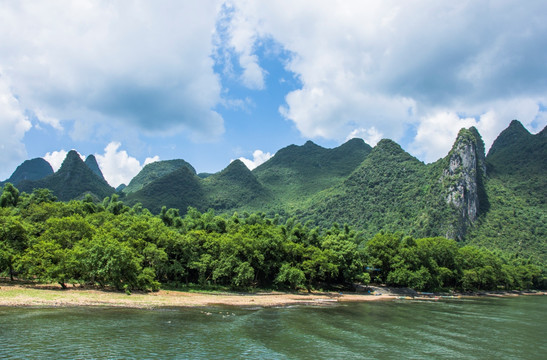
{"x":463,"y":180}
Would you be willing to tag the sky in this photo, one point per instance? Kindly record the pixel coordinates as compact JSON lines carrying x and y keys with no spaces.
{"x":211,"y":81}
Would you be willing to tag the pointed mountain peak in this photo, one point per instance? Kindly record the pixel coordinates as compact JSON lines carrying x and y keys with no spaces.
{"x":469,"y":137}
{"x":73,"y":154}
{"x":236,"y":171}
{"x":389,"y":150}
{"x":388,"y":145}
{"x":73,"y":164}
{"x":237,"y":165}
{"x":73,"y":180}
{"x":92,"y":164}
{"x":71,"y":158}
{"x":516,"y":125}
{"x":310,"y":143}
{"x":515,"y":133}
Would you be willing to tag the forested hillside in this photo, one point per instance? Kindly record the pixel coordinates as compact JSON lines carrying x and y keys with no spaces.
{"x":496,"y":201}
{"x":394,"y":191}
{"x":33,"y":169}
{"x":111,"y":245}
{"x":73,"y":180}
{"x":154,"y":171}
{"x":297,"y":172}
{"x":516,"y":186}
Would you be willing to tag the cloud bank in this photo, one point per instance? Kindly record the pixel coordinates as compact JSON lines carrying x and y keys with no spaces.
{"x":404,"y":70}
{"x":143,"y":64}
{"x":413,"y":71}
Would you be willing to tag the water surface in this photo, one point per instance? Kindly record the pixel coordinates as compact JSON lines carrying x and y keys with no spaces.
{"x":507,"y":328}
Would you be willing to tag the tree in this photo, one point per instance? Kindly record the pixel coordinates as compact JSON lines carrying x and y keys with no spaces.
{"x":14,"y":238}
{"x":10,"y":196}
{"x":382,"y":250}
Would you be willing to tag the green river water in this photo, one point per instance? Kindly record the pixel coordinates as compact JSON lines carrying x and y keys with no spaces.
{"x":482,"y":328}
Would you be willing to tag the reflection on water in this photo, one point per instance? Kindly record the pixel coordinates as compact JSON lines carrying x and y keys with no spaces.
{"x":453,"y":329}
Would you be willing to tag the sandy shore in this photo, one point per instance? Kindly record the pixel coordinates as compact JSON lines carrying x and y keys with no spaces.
{"x":22,"y":295}
{"x":25,"y":295}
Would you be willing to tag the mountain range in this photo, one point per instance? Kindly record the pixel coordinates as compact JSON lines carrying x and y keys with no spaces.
{"x":496,"y":200}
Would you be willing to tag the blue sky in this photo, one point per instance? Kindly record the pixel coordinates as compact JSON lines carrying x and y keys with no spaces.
{"x":212,"y":81}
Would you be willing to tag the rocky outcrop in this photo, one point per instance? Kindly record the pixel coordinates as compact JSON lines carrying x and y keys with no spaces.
{"x":463,"y":180}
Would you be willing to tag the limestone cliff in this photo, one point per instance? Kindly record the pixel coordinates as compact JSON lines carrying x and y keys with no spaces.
{"x":462,"y":180}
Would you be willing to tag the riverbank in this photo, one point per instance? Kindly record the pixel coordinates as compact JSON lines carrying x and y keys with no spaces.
{"x":52,"y":296}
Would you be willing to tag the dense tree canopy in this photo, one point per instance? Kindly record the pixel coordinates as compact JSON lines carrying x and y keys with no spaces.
{"x":111,"y":244}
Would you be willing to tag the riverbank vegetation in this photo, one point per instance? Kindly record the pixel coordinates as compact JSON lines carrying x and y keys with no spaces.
{"x":109,"y":244}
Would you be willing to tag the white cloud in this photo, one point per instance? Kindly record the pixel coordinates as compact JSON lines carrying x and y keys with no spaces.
{"x":56,"y":158}
{"x":370,"y":135}
{"x":51,"y":121}
{"x":436,"y":134}
{"x":117,"y":166}
{"x":392,"y":65}
{"x":143,"y":64}
{"x":238,"y":35}
{"x":259,"y":157}
{"x":150,"y":160}
{"x":13,"y":126}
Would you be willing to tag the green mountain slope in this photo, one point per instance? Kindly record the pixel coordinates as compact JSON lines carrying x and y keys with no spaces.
{"x":73,"y":180}
{"x":387,"y":192}
{"x":33,"y":169}
{"x":178,"y":189}
{"x":297,"y":172}
{"x":235,"y":187}
{"x":393,"y":191}
{"x":91,"y":163}
{"x":154,"y":171}
{"x":516,"y":186}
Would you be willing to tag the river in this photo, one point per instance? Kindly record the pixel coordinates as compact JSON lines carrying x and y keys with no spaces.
{"x":482,"y":328}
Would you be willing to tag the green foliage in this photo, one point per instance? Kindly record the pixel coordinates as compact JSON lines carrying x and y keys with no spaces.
{"x":438,"y":263}
{"x":154,"y":171}
{"x":10,"y":196}
{"x":73,"y":180}
{"x":179,"y":190}
{"x":234,"y":187}
{"x":516,"y":220}
{"x":127,"y":249}
{"x":297,"y":172}
{"x":386,"y":195}
{"x":390,"y":191}
{"x":33,"y":169}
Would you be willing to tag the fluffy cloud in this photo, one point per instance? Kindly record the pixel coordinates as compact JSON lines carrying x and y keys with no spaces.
{"x":259,"y":157}
{"x":117,"y":166}
{"x":370,"y":135}
{"x":393,"y":66}
{"x":13,"y":126}
{"x":236,"y":37}
{"x":437,"y":132}
{"x":143,"y":64}
{"x":56,"y":158}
